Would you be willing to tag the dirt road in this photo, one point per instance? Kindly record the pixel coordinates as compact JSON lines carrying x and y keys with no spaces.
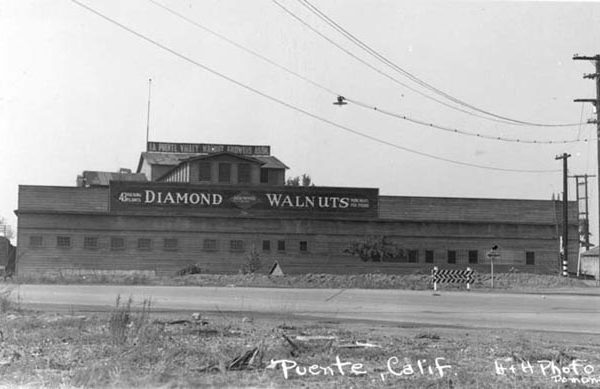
{"x":550,"y":312}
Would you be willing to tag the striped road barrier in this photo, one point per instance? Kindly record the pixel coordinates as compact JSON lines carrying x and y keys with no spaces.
{"x":452,"y":277}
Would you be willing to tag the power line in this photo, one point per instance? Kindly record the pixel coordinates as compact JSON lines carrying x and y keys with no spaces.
{"x":391,"y":64}
{"x":386,"y":75}
{"x":297,"y":109}
{"x":241,"y":47}
{"x":365,"y":105}
{"x":463,"y":132}
{"x":414,"y":78}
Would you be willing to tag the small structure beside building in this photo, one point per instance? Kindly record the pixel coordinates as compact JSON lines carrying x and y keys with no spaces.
{"x":7,"y":256}
{"x":93,"y":179}
{"x":589,"y":263}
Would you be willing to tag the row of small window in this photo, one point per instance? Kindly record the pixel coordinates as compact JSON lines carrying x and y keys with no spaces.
{"x":91,"y":242}
{"x":118,"y":243}
{"x":239,"y":245}
{"x":266,"y":245}
{"x":224,"y":173}
{"x":473,"y":256}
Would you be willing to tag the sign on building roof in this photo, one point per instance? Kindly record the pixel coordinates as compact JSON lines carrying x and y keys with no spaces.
{"x":267,"y":201}
{"x":207,"y":148}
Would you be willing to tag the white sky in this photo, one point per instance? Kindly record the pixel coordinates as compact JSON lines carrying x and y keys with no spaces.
{"x":73,"y":90}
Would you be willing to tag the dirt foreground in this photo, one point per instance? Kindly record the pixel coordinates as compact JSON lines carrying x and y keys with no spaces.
{"x":136,"y":347}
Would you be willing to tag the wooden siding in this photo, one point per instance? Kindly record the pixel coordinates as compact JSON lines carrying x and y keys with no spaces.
{"x":192,"y":173}
{"x":5,"y":247}
{"x":414,"y":223}
{"x":276,"y":177}
{"x":62,"y":199}
{"x":465,"y":209}
{"x":326,"y":241}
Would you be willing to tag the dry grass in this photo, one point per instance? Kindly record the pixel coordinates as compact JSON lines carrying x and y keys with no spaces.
{"x":502,"y":281}
{"x":8,"y":300}
{"x":130,"y":346}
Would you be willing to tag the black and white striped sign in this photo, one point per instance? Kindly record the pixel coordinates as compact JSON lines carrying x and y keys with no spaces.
{"x":453,"y":276}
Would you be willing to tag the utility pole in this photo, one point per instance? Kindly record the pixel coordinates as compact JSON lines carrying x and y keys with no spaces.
{"x":565,"y":221}
{"x":596,"y":102}
{"x":584,"y":208}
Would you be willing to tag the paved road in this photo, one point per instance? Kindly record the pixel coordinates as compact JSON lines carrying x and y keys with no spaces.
{"x":552,"y":312}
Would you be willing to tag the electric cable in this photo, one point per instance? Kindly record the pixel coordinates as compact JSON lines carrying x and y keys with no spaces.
{"x":300,"y":110}
{"x":463,"y":132}
{"x":412,"y":77}
{"x":365,"y":105}
{"x":384,"y":74}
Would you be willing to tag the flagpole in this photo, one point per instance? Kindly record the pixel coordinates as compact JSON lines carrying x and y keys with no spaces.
{"x":148,"y":114}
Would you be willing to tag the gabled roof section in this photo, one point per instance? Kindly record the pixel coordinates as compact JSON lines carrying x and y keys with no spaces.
{"x":271,"y":162}
{"x":174,"y":159}
{"x":224,"y":153}
{"x":208,"y":157}
{"x":159,"y":158}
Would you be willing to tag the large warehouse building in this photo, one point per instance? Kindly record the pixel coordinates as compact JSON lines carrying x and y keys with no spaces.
{"x":211,"y":205}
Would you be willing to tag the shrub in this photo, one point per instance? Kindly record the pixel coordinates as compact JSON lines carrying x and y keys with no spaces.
{"x":191,"y":269}
{"x":6,"y":302}
{"x":253,"y":262}
{"x":375,"y":249}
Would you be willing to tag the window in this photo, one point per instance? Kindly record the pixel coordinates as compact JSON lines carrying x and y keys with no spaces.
{"x":236,"y":245}
{"x":266,"y":245}
{"x":117,"y":243}
{"x":530,"y":258}
{"x":63,"y":242}
{"x":281,"y":245}
{"x":244,"y":173}
{"x":225,"y":172}
{"x":473,"y":256}
{"x":144,"y":244}
{"x":264,"y":176}
{"x":303,"y":245}
{"x":210,"y":244}
{"x":413,"y":256}
{"x":429,"y":256}
{"x":204,"y":171}
{"x":90,"y":242}
{"x":170,"y":244}
{"x":451,"y":256}
{"x":35,"y":241}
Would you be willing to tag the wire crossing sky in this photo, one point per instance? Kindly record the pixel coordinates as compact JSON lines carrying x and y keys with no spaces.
{"x":300,"y":110}
{"x":412,"y":77}
{"x":365,"y":105}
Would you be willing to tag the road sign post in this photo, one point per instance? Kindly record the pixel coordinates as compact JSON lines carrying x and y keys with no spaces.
{"x":492,"y":270}
{"x":492,"y":255}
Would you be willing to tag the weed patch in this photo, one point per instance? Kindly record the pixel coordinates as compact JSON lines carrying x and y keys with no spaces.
{"x":8,"y":301}
{"x":133,"y":347}
{"x":250,"y":276}
{"x":125,"y":324}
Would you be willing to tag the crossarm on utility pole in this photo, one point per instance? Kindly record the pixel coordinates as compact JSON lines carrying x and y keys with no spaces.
{"x":596,"y":102}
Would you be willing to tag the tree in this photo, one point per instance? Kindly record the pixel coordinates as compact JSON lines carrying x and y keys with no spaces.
{"x":376,"y":249}
{"x":6,"y":229}
{"x":303,"y":180}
